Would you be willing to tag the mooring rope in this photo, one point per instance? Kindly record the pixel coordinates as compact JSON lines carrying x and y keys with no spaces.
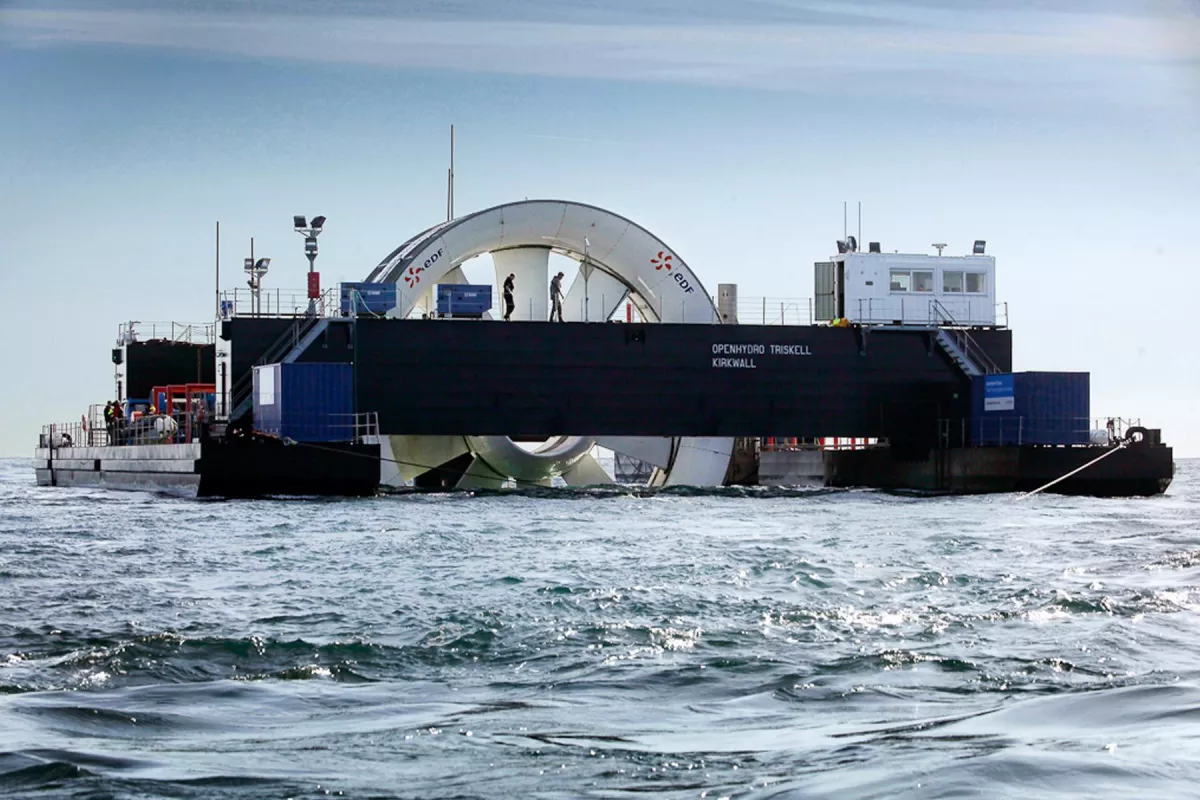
{"x":1124,"y":443}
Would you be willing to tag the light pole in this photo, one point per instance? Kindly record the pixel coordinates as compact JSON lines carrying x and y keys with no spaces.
{"x":586,"y":298}
{"x":256,"y":270}
{"x":310,"y":232}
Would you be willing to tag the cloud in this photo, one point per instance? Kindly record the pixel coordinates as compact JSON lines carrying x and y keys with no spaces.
{"x":899,"y":47}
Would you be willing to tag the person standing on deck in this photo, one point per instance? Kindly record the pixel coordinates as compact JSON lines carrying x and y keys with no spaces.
{"x":509,"y":304}
{"x":556,"y":297}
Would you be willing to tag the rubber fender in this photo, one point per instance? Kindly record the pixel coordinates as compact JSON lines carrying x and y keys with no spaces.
{"x":1137,"y":435}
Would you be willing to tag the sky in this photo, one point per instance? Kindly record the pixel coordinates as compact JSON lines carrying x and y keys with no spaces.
{"x":1066,"y":134}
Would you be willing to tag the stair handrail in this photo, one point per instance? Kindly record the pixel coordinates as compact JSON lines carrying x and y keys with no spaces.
{"x":962,"y":338}
{"x":289,"y":339}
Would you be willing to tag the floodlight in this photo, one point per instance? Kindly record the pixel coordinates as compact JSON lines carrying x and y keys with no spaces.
{"x":318,"y":223}
{"x":298,"y":223}
{"x":979,"y":246}
{"x":262,"y":264}
{"x":841,"y":246}
{"x":873,"y":247}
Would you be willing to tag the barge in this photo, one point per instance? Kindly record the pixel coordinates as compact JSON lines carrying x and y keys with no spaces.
{"x":897,"y":374}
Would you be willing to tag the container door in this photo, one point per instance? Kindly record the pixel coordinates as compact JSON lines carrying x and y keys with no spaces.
{"x":825,"y":293}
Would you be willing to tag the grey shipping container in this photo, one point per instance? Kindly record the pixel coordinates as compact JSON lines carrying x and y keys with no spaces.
{"x":1047,"y":408}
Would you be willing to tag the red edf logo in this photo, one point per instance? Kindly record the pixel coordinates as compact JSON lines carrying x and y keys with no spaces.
{"x":663,"y":261}
{"x":413,"y":276}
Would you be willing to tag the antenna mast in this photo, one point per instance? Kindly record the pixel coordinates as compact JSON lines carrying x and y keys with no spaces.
{"x":450,"y":180}
{"x":218,"y":253}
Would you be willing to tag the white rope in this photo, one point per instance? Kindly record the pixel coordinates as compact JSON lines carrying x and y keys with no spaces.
{"x":1120,"y":446}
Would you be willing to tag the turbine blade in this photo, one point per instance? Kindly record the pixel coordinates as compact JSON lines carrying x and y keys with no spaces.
{"x":480,"y":476}
{"x":586,"y":472}
{"x":406,"y":457}
{"x":654,"y":450}
{"x":701,"y":461}
{"x":530,"y":267}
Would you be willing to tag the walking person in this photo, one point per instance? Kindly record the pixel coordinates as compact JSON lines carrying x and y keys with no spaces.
{"x":110,"y":422}
{"x":556,"y":297}
{"x":509,"y":304}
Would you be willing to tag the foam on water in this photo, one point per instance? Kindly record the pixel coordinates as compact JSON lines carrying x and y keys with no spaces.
{"x":603,"y":643}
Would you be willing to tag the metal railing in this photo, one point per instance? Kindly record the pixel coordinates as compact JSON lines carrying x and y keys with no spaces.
{"x":177,"y":428}
{"x":962,"y":339}
{"x":189,"y":332}
{"x":283,"y":345}
{"x":786,"y":444}
{"x":318,"y":427}
{"x":883,"y":311}
{"x":280,"y":303}
{"x":775,"y":310}
{"x":993,"y":430}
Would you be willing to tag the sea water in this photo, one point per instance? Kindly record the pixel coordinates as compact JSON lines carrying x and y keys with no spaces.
{"x":607,"y":643}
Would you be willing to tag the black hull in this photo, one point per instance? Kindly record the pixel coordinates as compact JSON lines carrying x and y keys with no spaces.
{"x":258,"y":468}
{"x":1135,"y":471}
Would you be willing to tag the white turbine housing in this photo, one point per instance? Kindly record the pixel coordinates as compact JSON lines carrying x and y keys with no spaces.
{"x":618,"y":259}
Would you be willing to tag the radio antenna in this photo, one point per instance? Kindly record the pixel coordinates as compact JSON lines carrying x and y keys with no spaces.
{"x":450,"y":180}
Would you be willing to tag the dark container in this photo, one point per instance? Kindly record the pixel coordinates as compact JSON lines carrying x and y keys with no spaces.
{"x":1047,"y":408}
{"x":376,"y":299}
{"x":307,"y":402}
{"x":463,"y":300}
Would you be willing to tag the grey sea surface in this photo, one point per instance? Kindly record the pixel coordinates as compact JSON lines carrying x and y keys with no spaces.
{"x":608,"y":643}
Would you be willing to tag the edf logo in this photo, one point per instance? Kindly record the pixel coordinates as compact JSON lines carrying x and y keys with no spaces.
{"x":663,"y":261}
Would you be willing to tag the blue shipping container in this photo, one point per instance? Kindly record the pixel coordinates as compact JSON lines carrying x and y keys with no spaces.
{"x":463,"y":299}
{"x":307,"y":402}
{"x":368,"y":298}
{"x":1031,"y":408}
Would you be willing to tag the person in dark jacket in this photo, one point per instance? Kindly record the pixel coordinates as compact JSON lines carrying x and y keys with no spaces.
{"x":509,"y":304}
{"x":110,"y":422}
{"x":556,"y":297}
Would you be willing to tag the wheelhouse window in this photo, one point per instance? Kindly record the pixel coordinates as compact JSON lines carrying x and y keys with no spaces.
{"x":922,"y":281}
{"x":901,"y":281}
{"x":955,"y":281}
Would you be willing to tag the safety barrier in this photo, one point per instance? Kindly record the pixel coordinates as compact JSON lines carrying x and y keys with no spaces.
{"x":279,"y":303}
{"x":780,"y":444}
{"x":994,"y":430}
{"x":186,"y":332}
{"x":154,"y":429}
{"x":319,"y":427}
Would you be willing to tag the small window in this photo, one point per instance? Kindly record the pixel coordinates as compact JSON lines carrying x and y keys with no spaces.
{"x":976,"y":282}
{"x":952,"y":281}
{"x":901,"y":281}
{"x":922,"y":281}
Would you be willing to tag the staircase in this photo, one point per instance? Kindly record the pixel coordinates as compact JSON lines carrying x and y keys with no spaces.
{"x":960,"y":346}
{"x":284,"y":350}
